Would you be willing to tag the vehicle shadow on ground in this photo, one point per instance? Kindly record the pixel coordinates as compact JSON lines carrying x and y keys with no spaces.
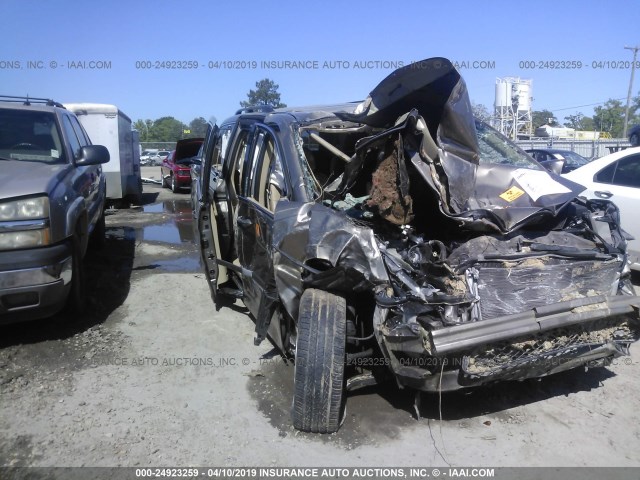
{"x":384,"y":411}
{"x":107,"y":282}
{"x":489,"y":399}
{"x":148,"y":198}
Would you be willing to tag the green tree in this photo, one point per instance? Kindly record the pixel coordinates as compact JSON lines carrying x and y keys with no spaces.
{"x":144,"y":128}
{"x":198,"y":128}
{"x":480,"y":111}
{"x":610,"y":117}
{"x":543,"y":117}
{"x":579,"y":122}
{"x":266,"y":93}
{"x":166,"y":129}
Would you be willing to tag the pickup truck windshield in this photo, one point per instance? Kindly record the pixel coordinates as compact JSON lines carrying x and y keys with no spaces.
{"x":30,"y":136}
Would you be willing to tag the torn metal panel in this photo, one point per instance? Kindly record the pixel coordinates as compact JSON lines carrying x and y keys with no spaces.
{"x":307,"y":234}
{"x":483,"y":181}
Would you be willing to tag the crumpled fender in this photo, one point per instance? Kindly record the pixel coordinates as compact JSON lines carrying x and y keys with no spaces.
{"x":309,"y":235}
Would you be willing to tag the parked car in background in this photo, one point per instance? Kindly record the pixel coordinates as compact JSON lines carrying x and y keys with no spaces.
{"x":557,"y":161}
{"x":161,"y":156}
{"x":634,"y":136}
{"x":399,"y":239}
{"x":52,"y":196}
{"x":175,"y":170}
{"x":616,"y":178}
{"x":147,"y":157}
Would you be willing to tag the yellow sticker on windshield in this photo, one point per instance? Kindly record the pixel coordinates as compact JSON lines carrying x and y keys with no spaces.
{"x":512,"y":194}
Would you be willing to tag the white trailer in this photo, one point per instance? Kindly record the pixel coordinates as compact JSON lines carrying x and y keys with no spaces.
{"x":108,"y":126}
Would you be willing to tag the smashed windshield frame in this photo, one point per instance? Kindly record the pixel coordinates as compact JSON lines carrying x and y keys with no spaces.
{"x":30,"y":136}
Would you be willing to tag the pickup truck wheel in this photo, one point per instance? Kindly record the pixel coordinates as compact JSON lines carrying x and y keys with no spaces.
{"x":319,"y":362}
{"x":174,"y":184}
{"x":76,"y":300}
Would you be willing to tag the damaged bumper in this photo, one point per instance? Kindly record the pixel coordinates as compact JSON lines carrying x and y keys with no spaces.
{"x":588,"y":331}
{"x":472,"y":335}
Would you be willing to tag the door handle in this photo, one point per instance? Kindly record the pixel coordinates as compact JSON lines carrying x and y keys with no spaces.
{"x":244,"y":222}
{"x":604,"y":194}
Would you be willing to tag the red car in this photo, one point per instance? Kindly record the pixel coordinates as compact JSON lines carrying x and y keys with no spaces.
{"x":175,"y":170}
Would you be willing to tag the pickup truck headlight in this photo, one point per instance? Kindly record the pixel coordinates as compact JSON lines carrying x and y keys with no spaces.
{"x":24,"y":223}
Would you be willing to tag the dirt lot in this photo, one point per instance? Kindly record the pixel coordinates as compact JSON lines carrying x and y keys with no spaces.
{"x":153,"y":375}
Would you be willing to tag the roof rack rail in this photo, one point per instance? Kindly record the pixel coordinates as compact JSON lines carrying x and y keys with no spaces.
{"x":29,"y":100}
{"x":255,"y":109}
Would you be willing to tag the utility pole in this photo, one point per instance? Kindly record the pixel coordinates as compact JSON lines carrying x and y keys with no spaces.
{"x":633,"y":69}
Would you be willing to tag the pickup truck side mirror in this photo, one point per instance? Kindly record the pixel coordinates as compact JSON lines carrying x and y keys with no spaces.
{"x":93,"y":155}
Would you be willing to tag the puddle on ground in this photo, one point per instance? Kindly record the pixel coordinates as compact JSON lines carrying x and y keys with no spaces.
{"x":175,"y":207}
{"x":168,"y":246}
{"x":154,"y":208}
{"x":176,"y":232}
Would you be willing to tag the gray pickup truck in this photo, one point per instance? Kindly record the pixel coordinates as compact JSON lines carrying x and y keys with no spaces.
{"x":52,"y":195}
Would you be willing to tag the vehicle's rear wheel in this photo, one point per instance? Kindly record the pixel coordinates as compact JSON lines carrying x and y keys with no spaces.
{"x":635,"y":140}
{"x":319,"y":362}
{"x":174,"y":184}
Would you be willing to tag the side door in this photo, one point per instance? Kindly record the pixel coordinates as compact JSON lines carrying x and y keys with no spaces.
{"x":86,"y":179}
{"x":620,"y":183}
{"x":262,"y":185}
{"x":207,"y":214}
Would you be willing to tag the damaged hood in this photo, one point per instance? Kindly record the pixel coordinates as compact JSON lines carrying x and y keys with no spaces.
{"x":482,"y":179}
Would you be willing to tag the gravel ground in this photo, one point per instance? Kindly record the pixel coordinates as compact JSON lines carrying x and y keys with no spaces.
{"x":154,"y":376}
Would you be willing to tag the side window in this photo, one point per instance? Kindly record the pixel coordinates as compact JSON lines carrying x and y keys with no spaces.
{"x":625,"y":172}
{"x":80,"y":133}
{"x":71,"y":136}
{"x":220,"y":148}
{"x":606,"y":174}
{"x":628,"y":172}
{"x":236,"y":162}
{"x":265,"y":181}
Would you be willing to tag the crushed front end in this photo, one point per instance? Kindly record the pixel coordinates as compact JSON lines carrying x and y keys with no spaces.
{"x":462,"y":260}
{"x":501,"y":309}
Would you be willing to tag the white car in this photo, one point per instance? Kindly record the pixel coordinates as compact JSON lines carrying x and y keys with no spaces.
{"x":616,"y":177}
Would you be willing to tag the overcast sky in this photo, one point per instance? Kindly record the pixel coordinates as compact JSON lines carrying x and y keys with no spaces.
{"x":122,"y":45}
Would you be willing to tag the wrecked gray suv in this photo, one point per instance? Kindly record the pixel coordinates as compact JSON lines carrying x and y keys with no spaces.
{"x":399,"y":238}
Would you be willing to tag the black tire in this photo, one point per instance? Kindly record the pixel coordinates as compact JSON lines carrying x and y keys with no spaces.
{"x":634,"y":140}
{"x":174,"y":184}
{"x":319,"y":362}
{"x":76,"y":300}
{"x":163,"y":182}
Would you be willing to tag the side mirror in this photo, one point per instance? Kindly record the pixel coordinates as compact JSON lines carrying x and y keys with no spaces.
{"x":93,"y":155}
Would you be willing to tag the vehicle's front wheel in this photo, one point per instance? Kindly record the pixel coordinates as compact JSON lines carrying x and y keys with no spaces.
{"x":174,"y":184}
{"x":634,"y":140}
{"x":319,"y":362}
{"x":163,"y":182}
